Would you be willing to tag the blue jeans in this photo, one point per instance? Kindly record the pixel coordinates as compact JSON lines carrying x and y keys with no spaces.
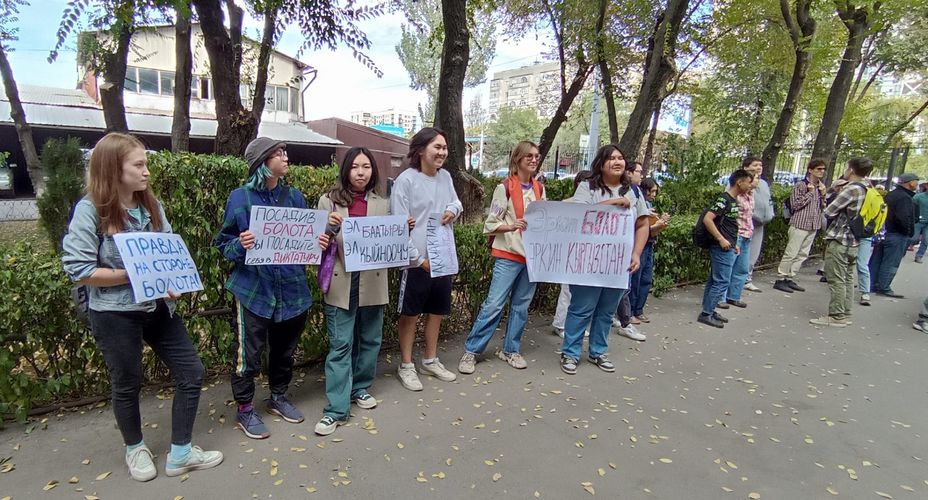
{"x":589,"y":303}
{"x":719,"y":277}
{"x":863,"y":265}
{"x":885,"y":261}
{"x":641,"y":280}
{"x":740,"y":270}
{"x":510,"y":283}
{"x":921,"y":234}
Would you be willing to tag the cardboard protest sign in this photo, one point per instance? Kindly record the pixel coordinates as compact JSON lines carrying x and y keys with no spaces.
{"x":439,"y":240}
{"x":156,"y":263}
{"x":579,"y":244}
{"x":285,"y":235}
{"x":376,"y":242}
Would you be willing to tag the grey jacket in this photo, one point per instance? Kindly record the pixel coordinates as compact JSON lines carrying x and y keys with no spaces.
{"x":763,"y":204}
{"x":85,"y":251}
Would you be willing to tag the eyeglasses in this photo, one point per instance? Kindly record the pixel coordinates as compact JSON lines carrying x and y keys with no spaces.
{"x":281,"y":153}
{"x":819,"y":168}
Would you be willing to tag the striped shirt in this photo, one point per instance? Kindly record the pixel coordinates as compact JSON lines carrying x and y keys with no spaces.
{"x":848,"y":201}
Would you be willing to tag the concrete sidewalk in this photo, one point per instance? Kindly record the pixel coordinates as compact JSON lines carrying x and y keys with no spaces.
{"x":769,"y":407}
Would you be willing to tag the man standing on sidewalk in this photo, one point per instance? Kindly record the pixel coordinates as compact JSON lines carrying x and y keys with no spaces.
{"x":806,"y":203}
{"x":841,"y":244}
{"x":763,"y":214}
{"x":900,"y":227}
{"x":921,"y":227}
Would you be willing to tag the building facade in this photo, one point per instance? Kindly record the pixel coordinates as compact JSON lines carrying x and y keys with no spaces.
{"x":536,"y":87}
{"x":405,"y":119}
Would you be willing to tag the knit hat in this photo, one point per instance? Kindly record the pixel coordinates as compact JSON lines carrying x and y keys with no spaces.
{"x":259,"y":150}
{"x":907,"y":178}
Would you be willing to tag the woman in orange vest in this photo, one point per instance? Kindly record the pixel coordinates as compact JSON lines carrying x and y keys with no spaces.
{"x":505,"y":224}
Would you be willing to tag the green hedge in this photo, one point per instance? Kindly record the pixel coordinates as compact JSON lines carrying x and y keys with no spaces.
{"x":50,"y":355}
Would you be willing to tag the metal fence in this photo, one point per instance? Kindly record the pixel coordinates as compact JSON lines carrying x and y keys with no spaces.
{"x":18,"y":209}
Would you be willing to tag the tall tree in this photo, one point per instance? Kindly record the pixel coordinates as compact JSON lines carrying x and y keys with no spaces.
{"x":9,"y":11}
{"x":659,"y":70}
{"x":801,"y":29}
{"x":422,"y":40}
{"x":857,"y":18}
{"x":183,"y":77}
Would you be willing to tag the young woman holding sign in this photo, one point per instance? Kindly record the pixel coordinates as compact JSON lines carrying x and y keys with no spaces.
{"x":119,"y":200}
{"x":609,"y":185}
{"x":420,"y":190}
{"x":354,"y":301}
{"x":510,"y":283}
{"x":270,"y":300}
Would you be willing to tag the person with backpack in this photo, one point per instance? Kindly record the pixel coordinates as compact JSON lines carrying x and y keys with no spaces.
{"x":717,"y":230}
{"x":120,"y":200}
{"x":504,"y":225}
{"x":900,"y":227}
{"x":806,"y":203}
{"x":842,"y":240}
{"x":921,"y":227}
{"x":271,"y":301}
{"x":764,"y":212}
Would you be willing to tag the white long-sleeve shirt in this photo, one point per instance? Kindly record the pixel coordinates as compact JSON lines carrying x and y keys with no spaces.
{"x":419,"y":195}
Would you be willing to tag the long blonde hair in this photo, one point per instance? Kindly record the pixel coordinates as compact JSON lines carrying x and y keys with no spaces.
{"x":521,"y":150}
{"x":105,"y":176}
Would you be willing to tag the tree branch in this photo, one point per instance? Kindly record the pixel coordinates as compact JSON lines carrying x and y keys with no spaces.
{"x":906,"y":123}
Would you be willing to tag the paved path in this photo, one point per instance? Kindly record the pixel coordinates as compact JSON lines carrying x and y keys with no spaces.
{"x":769,"y":407}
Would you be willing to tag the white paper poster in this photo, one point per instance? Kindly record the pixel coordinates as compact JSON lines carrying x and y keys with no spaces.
{"x":443,"y":254}
{"x":156,"y":263}
{"x":579,"y":244}
{"x":285,"y":235}
{"x":375,"y":242}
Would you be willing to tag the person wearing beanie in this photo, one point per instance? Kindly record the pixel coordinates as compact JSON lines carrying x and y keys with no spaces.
{"x":271,"y":301}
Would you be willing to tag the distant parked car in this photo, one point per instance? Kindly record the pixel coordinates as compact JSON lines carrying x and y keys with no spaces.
{"x":786,"y":178}
{"x":6,"y":183}
{"x":503,"y":172}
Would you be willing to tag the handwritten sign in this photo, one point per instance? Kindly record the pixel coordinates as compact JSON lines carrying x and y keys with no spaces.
{"x":579,"y":244}
{"x":439,"y":241}
{"x":285,"y":235}
{"x":375,"y":242}
{"x":156,"y":263}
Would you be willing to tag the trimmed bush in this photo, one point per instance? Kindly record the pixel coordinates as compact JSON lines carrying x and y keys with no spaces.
{"x":63,"y":162}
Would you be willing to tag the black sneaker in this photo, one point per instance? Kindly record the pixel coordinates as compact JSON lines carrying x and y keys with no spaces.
{"x":783,"y":286}
{"x":568,"y":365}
{"x":891,"y":294}
{"x":737,"y":303}
{"x":719,"y":317}
{"x":711,"y":320}
{"x":722,"y":305}
{"x":603,"y":363}
{"x":795,"y":286}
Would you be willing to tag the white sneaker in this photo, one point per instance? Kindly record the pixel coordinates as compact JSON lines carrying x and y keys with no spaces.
{"x":631,"y":332}
{"x":409,"y":378}
{"x":141,"y":466}
{"x":196,"y":460}
{"x":514,"y":359}
{"x":616,"y":323}
{"x":557,"y":331}
{"x":467,"y":365}
{"x":326,"y":426}
{"x":437,"y":370}
{"x":751,"y":287}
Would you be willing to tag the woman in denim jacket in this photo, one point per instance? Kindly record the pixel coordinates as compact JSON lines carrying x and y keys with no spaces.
{"x":119,"y":200}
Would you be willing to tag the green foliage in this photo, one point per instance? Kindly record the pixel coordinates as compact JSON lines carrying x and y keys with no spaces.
{"x":4,"y":156}
{"x":512,"y":125}
{"x":63,"y":161}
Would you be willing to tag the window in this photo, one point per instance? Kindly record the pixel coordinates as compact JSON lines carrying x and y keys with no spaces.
{"x":148,"y":81}
{"x":204,"y":88}
{"x":283,"y":101}
{"x":294,"y":101}
{"x":167,"y":83}
{"x":195,"y":87}
{"x":132,"y":80}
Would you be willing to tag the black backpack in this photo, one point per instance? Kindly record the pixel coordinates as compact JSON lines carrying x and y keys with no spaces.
{"x":701,"y":236}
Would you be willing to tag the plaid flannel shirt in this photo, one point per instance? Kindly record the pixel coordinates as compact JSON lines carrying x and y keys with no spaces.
{"x":277,"y":292}
{"x":848,"y":201}
{"x":806,"y":207}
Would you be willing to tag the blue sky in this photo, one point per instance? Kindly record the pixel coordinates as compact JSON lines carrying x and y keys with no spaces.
{"x":343,"y":85}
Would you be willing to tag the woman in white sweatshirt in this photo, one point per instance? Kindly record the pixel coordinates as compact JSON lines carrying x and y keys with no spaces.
{"x":420,"y":190}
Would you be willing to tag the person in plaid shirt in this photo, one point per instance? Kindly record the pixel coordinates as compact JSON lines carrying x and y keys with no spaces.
{"x":841,"y":244}
{"x":806,"y":203}
{"x":271,"y":301}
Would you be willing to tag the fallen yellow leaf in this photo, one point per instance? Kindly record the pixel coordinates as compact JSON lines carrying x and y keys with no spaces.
{"x":753,"y":495}
{"x":103,"y":476}
{"x":831,"y":490}
{"x":884,"y":495}
{"x":50,"y":485}
{"x":666,"y":461}
{"x":497,"y":477}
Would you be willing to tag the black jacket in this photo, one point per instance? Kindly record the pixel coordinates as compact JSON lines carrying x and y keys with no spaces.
{"x":901,"y":215}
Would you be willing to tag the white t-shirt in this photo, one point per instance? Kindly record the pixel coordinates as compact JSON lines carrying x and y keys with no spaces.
{"x":419,"y":195}
{"x":592,"y":196}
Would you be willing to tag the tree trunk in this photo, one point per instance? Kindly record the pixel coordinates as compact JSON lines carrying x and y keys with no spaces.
{"x":659,"y":70}
{"x":264,"y":59}
{"x":114,"y":72}
{"x":652,"y":136}
{"x":605,"y":74}
{"x":183,"y":77}
{"x":560,"y":114}
{"x":857,"y":21}
{"x":802,"y":29}
{"x":449,"y":116}
{"x":23,"y":130}
{"x":236,"y":126}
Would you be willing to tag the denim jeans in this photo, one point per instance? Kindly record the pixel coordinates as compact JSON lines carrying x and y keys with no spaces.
{"x":119,"y":335}
{"x":740,"y":270}
{"x":921,"y":234}
{"x":719,"y":277}
{"x":863,"y":265}
{"x":589,"y":303}
{"x":885,"y":261}
{"x":641,"y":280}
{"x":510,"y":284}
{"x":355,"y":335}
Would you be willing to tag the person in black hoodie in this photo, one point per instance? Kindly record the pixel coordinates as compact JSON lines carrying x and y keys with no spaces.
{"x":900,"y":227}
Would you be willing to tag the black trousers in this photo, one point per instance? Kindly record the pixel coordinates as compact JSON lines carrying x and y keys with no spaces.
{"x":252,"y":334}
